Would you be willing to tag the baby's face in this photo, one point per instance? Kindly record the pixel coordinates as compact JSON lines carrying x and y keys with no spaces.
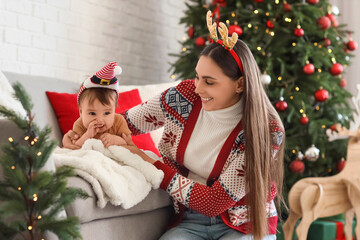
{"x":103,"y":115}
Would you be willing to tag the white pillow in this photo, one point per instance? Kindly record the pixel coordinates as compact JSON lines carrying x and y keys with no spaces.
{"x":7,"y":98}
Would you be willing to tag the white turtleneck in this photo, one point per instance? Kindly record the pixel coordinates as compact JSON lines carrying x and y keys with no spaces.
{"x":211,"y":130}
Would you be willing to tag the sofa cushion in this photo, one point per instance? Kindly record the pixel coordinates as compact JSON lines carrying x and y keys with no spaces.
{"x":66,"y":110}
{"x":86,"y":209}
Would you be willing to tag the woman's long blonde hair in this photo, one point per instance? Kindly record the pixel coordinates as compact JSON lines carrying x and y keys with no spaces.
{"x":262,"y":169}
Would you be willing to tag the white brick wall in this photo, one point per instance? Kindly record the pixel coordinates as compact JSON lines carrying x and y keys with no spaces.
{"x":71,"y":39}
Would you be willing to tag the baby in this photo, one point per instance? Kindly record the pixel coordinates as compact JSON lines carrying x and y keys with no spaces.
{"x":97,"y":100}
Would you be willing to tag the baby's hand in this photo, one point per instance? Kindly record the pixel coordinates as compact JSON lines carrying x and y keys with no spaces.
{"x":93,"y":128}
{"x":110,"y":139}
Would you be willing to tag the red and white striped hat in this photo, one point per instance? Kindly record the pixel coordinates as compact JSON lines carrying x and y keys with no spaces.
{"x":105,"y":78}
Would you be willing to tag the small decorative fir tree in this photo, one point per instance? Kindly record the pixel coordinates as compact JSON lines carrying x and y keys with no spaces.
{"x":31,"y":199}
{"x":301,"y":50}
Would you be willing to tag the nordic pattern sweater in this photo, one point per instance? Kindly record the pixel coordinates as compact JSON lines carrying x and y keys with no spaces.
{"x":177,"y":109}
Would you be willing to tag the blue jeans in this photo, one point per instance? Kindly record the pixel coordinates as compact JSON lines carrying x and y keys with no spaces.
{"x":195,"y":226}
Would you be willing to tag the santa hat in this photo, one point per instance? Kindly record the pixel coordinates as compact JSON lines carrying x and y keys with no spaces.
{"x":105,"y":78}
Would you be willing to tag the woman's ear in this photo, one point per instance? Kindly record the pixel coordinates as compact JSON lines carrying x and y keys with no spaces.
{"x":240,"y":85}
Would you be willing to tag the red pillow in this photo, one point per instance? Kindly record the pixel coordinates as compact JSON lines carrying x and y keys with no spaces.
{"x":66,"y":110}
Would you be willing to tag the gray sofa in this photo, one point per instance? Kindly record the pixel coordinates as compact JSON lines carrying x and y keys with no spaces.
{"x":145,"y":221}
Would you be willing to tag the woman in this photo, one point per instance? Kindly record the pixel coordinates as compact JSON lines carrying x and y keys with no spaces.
{"x":222,"y":146}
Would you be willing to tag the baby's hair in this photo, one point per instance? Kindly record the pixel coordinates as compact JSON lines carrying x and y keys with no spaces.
{"x":102,"y":94}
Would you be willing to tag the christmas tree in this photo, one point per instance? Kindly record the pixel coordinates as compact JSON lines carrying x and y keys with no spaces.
{"x":31,"y":199}
{"x":302,"y":52}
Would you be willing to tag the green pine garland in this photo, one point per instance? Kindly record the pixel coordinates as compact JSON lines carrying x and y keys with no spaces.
{"x":31,"y":199}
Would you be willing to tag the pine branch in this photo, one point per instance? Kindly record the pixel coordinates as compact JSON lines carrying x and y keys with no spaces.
{"x":23,"y":97}
{"x":27,"y":193}
{"x":13,"y":116}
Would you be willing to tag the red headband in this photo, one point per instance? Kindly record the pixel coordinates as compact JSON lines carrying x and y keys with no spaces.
{"x":233,"y":54}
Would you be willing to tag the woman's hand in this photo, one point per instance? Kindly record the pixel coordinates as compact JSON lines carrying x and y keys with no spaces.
{"x":130,"y":145}
{"x":69,"y":140}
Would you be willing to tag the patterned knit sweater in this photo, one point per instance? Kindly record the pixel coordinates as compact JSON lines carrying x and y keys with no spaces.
{"x":177,"y":110}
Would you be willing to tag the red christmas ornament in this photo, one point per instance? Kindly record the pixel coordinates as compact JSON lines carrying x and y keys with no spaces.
{"x":297,"y":166}
{"x":333,"y":20}
{"x":287,"y":7}
{"x":321,"y":95}
{"x":336,"y":69}
{"x":270,"y":24}
{"x":258,"y":1}
{"x":304,"y":120}
{"x":281,"y":105}
{"x":309,"y":69}
{"x":326,"y":42}
{"x":190,"y":32}
{"x":340,"y":165}
{"x":333,"y":127}
{"x":218,"y":1}
{"x":352,"y":45}
{"x":342,"y":83}
{"x":235,"y":28}
{"x":200,"y":41}
{"x":299,"y":32}
{"x":313,"y":2}
{"x":324,"y":22}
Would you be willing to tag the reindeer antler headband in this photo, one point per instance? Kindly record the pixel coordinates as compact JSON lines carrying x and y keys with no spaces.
{"x":227,"y":42}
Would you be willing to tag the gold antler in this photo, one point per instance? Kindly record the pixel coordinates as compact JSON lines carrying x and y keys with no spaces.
{"x":229,"y":42}
{"x":211,"y":26}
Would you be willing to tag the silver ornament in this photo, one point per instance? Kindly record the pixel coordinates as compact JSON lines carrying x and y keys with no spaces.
{"x":300,"y":155}
{"x":312,"y":153}
{"x":265,"y":79}
{"x":335,"y":10}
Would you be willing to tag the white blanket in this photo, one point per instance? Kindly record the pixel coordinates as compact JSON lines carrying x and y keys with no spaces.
{"x":116,"y":174}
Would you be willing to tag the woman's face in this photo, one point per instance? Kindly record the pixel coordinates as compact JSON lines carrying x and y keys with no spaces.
{"x":217,"y":91}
